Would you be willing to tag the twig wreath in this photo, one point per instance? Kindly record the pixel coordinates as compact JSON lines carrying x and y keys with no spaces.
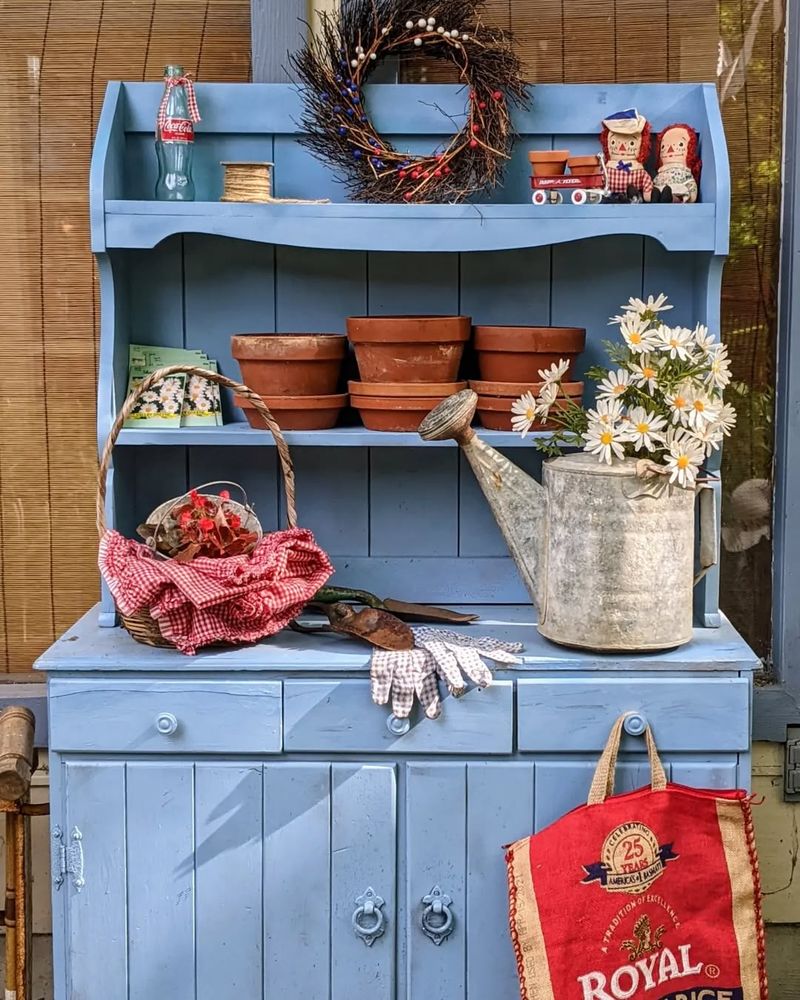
{"x":337,"y":61}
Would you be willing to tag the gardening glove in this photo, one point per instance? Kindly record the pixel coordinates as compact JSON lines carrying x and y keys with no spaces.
{"x":456,"y":654}
{"x":404,"y":673}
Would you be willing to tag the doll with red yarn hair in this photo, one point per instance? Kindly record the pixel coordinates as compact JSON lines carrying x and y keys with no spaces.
{"x":625,"y":139}
{"x":678,"y":169}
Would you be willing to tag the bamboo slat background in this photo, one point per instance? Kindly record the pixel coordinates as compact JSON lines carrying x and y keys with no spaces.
{"x":55,"y":59}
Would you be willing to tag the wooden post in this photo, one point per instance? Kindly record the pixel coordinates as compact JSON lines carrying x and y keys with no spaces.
{"x":16,"y":752}
{"x":12,"y":819}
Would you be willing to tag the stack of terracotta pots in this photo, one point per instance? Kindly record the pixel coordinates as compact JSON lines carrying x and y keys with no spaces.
{"x":407,"y":364}
{"x":296,"y":374}
{"x":510,"y":359}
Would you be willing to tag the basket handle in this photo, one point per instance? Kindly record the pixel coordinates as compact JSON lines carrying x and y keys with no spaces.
{"x":603,"y":781}
{"x":241,"y":390}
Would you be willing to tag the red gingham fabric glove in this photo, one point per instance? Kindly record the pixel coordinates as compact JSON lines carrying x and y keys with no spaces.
{"x":236,"y":599}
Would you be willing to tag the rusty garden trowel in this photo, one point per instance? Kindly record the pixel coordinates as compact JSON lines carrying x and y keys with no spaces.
{"x":402,"y":609}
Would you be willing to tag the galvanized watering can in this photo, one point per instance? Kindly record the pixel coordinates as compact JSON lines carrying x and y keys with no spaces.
{"x":607,"y":555}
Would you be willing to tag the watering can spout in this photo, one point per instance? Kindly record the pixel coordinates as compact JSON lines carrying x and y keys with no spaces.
{"x":517,"y":501}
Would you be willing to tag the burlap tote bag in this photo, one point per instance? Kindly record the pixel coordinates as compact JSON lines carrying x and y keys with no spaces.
{"x":651,"y":895}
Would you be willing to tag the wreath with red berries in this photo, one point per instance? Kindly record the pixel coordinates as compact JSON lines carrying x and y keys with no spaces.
{"x":339,"y":58}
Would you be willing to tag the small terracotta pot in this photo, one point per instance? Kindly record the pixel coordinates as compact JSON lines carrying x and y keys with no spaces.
{"x":382,"y":413}
{"x":408,"y":348}
{"x":295,"y":364}
{"x":517,"y":353}
{"x":297,"y":413}
{"x":416,"y":390}
{"x":548,"y":162}
{"x":583,"y":166}
{"x":495,"y":414}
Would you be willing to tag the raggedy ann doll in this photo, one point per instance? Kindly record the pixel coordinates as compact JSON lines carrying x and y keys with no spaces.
{"x":625,"y":139}
{"x":678,"y":169}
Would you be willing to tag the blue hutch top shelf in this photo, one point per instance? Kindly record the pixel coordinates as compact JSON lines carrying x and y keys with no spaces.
{"x":396,"y":515}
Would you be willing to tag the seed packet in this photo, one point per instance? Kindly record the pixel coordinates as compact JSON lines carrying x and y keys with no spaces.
{"x":200,"y":403}
{"x":161,"y":405}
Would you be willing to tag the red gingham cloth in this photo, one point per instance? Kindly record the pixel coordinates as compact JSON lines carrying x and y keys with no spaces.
{"x":619,"y":179}
{"x":175,"y":81}
{"x":236,"y":599}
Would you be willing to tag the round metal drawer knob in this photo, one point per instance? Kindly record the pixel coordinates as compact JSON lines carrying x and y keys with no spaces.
{"x":167,"y":724}
{"x":397,"y":726}
{"x":634,"y":724}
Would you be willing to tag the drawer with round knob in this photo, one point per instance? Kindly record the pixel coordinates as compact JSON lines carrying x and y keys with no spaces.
{"x":158,"y":716}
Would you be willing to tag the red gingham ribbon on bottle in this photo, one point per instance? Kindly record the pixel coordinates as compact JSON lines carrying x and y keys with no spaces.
{"x":176,"y":81}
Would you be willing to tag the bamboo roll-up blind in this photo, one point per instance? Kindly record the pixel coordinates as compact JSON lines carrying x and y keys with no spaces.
{"x":55,"y":59}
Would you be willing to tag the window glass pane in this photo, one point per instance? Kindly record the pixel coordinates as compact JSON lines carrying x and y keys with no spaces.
{"x":740,"y":45}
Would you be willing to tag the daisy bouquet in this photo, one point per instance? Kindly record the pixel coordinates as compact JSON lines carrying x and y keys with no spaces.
{"x":661,"y":401}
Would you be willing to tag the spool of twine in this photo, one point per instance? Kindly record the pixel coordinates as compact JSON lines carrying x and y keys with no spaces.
{"x":247,"y":181}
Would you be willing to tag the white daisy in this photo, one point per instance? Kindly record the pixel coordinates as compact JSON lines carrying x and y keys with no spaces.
{"x":649,"y":308}
{"x":679,"y":401}
{"x":726,"y":420}
{"x":555,"y":372}
{"x":684,"y":459}
{"x":608,"y":412}
{"x":675,"y":341}
{"x":703,"y":409}
{"x":547,"y":396}
{"x":148,"y":409}
{"x":719,"y":370}
{"x":644,"y":429}
{"x":709,"y":437}
{"x":645,"y":375}
{"x":614,"y":385}
{"x":604,"y":442}
{"x":637,"y":334}
{"x":170,"y":406}
{"x":523,"y":412}
{"x":150,"y":397}
{"x":704,"y":340}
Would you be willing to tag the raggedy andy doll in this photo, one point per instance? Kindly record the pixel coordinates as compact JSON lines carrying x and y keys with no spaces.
{"x":625,"y":138}
{"x":678,"y":165}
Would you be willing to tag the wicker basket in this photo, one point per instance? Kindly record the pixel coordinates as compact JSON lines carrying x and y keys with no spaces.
{"x":142,"y":626}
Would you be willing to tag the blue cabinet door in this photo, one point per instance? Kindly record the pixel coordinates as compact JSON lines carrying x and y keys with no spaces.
{"x":227,"y":879}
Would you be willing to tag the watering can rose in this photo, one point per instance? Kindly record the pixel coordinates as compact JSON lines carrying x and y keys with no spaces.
{"x":662,"y":401}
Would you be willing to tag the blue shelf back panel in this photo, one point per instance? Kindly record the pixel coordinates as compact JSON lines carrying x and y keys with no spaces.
{"x":400,"y":517}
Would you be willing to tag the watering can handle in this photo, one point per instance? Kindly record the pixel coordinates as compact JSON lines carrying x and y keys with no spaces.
{"x":603,"y":781}
{"x":709,"y":539}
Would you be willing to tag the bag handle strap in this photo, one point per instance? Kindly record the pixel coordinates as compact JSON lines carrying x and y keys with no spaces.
{"x":604,"y":775}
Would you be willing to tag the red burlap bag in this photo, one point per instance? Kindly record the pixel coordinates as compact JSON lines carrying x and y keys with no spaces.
{"x":652,"y":895}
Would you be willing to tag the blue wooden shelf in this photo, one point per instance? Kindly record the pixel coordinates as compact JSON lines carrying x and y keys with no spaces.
{"x":240,"y":433}
{"x":87,"y":647}
{"x":141,"y":225}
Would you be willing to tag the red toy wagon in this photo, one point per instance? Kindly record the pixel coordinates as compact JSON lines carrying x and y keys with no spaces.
{"x":583,"y":188}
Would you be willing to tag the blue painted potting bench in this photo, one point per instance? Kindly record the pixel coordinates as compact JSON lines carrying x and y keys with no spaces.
{"x":243,"y":824}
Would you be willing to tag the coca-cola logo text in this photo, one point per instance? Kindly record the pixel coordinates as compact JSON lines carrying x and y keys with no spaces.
{"x":177,"y":130}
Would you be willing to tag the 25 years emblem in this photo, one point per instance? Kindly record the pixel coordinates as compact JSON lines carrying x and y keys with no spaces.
{"x":631,"y":860}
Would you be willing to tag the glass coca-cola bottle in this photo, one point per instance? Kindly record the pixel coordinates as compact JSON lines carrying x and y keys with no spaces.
{"x":177,"y":114}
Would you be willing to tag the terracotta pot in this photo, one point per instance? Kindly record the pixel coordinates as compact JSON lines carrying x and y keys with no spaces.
{"x":548,"y":162}
{"x":517,"y":353}
{"x":417,"y":390}
{"x":408,"y":348}
{"x":495,"y":411}
{"x":297,"y":413}
{"x":382,"y":413}
{"x":583,"y":166}
{"x":295,"y":364}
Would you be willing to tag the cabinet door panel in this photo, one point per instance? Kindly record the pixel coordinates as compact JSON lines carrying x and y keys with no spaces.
{"x":161,"y":904}
{"x":97,"y":945}
{"x":706,"y":773}
{"x":227,"y":864}
{"x":297,"y":827}
{"x":500,"y":811}
{"x":363,"y":855}
{"x":436,"y":807}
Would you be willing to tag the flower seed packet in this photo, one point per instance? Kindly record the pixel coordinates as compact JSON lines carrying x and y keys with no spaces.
{"x":161,"y":405}
{"x":200,"y":403}
{"x":202,"y":406}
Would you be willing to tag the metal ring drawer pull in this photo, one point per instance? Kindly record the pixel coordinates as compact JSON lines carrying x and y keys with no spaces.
{"x":437,"y":918}
{"x":166,"y":724}
{"x":368,"y":919}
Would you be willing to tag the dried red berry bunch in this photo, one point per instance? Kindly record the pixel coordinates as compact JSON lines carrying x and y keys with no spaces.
{"x":202,"y":525}
{"x":338,"y":59}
